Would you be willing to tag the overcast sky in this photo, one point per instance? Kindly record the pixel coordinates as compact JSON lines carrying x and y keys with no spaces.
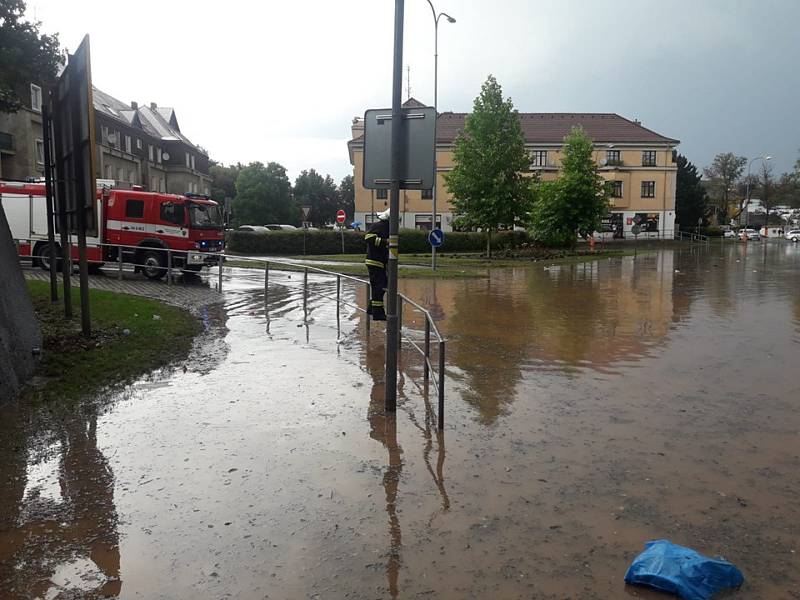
{"x":281,"y":81}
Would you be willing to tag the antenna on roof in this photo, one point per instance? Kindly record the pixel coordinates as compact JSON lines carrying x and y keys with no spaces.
{"x":408,"y":82}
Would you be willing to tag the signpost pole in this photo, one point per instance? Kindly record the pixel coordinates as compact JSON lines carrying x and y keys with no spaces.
{"x":48,"y":186}
{"x":392,"y":337}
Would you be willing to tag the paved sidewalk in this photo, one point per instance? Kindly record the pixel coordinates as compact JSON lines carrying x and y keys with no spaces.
{"x":192,"y":293}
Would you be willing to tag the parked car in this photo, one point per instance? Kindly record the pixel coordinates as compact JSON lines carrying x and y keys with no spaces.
{"x":253,"y":228}
{"x":278,"y":227}
{"x":729,"y":234}
{"x":749,"y":234}
{"x":793,"y":235}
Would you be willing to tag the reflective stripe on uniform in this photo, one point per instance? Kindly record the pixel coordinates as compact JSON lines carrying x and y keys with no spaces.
{"x":377,"y":303}
{"x":370,"y":235}
{"x":374,"y":263}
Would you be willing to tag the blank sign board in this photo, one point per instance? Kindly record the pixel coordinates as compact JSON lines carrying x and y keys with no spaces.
{"x":417,"y":156}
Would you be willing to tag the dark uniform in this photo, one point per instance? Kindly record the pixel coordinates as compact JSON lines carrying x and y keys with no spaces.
{"x":377,"y":238}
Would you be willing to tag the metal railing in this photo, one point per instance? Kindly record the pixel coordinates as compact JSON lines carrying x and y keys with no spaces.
{"x":430,"y":374}
{"x":692,"y":237}
{"x":166,"y":268}
{"x":170,"y":259}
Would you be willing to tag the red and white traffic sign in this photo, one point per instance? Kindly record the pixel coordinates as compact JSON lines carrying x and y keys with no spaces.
{"x":340,"y":216}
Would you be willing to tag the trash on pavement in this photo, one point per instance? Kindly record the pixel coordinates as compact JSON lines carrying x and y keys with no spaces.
{"x":668,"y":567}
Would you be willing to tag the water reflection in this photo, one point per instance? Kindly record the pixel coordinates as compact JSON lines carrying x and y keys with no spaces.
{"x":58,"y":524}
{"x":383,"y":428}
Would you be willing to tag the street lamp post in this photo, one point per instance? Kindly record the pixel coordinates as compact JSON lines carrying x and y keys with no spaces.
{"x":747,"y":188}
{"x":436,"y":17}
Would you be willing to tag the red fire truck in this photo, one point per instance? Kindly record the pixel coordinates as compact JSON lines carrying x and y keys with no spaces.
{"x":147,"y":223}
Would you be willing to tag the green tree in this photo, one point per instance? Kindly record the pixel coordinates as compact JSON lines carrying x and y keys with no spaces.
{"x":318,"y":192}
{"x":264,"y":195}
{"x":691,"y":199}
{"x":26,"y":56}
{"x":223,"y":180}
{"x":575,"y":203}
{"x":489,"y":189}
{"x":347,"y":196}
{"x":724,"y":172}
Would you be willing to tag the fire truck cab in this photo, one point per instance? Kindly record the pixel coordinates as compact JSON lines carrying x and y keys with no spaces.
{"x":151,"y":230}
{"x":148,"y":223}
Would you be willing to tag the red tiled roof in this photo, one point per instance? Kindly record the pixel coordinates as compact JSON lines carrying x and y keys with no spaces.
{"x":546,"y":128}
{"x":551,"y":128}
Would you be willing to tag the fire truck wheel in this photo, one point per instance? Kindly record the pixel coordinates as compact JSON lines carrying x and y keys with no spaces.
{"x":153,"y":264}
{"x":42,"y":256}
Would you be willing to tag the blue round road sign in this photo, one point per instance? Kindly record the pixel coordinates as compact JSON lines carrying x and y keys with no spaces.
{"x":436,"y":237}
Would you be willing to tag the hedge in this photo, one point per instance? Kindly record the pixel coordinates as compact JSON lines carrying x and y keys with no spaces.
{"x":327,"y":241}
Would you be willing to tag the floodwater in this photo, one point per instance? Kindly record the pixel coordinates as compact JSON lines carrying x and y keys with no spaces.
{"x":590,"y":407}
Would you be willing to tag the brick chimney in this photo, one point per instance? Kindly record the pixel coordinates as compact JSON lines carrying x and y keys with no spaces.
{"x":153,"y":105}
{"x":135,"y":105}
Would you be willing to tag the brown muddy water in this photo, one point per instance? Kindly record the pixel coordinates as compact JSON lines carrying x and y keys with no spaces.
{"x":590,"y":408}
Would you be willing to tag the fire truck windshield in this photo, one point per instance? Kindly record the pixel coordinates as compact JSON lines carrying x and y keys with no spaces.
{"x":205,"y":216}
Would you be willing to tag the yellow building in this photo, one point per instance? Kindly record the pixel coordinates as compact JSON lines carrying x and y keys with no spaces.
{"x":638,"y":161}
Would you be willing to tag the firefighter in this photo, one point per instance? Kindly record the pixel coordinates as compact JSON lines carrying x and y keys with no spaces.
{"x":377,"y":239}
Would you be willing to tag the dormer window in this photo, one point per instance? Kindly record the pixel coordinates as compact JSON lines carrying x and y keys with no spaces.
{"x":36,"y":98}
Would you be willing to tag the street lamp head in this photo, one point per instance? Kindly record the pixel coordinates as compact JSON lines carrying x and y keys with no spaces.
{"x":767,"y":158}
{"x":451,"y":19}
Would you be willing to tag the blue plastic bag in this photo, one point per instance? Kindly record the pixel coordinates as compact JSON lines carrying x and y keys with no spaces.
{"x":668,"y":567}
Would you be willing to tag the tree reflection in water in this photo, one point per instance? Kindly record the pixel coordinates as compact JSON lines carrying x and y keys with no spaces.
{"x":58,"y":522}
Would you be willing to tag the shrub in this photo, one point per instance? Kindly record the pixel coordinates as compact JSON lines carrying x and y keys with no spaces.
{"x":327,"y":241}
{"x":711,"y":231}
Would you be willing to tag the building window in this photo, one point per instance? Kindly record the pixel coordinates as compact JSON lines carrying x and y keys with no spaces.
{"x":128,"y":144}
{"x":539,"y":158}
{"x":104,"y":135}
{"x":150,"y":152}
{"x":120,"y":174}
{"x":39,"y":152}
{"x":132,"y":176}
{"x":648,"y":189}
{"x":188,"y":162}
{"x":649,"y":158}
{"x":134,"y":209}
{"x":613,"y":158}
{"x":36,"y":98}
{"x":109,"y":172}
{"x":616,"y":189}
{"x":138,"y":144}
{"x":192,"y":161}
{"x":158,"y":155}
{"x":153,"y":184}
{"x":162,"y":186}
{"x":382,"y":194}
{"x":427,"y":194}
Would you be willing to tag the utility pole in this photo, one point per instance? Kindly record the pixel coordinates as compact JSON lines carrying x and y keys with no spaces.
{"x":392,"y":333}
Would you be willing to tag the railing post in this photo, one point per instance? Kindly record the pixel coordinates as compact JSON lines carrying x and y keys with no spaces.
{"x":119,"y":263}
{"x":426,"y":370}
{"x":399,"y":321}
{"x":369,"y":300}
{"x":441,"y":385}
{"x":338,"y":305}
{"x":219,"y":284}
{"x":169,"y":266}
{"x":266,"y":279}
{"x":305,"y":288}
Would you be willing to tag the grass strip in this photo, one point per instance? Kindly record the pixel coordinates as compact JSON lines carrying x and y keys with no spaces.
{"x":131,"y":336}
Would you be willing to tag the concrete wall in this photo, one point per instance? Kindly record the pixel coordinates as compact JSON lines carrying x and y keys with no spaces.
{"x":19,"y":329}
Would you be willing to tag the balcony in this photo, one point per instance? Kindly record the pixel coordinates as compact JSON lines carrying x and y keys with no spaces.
{"x":6,"y":143}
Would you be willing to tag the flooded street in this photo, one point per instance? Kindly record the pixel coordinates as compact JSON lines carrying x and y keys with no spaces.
{"x":590,"y":407}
